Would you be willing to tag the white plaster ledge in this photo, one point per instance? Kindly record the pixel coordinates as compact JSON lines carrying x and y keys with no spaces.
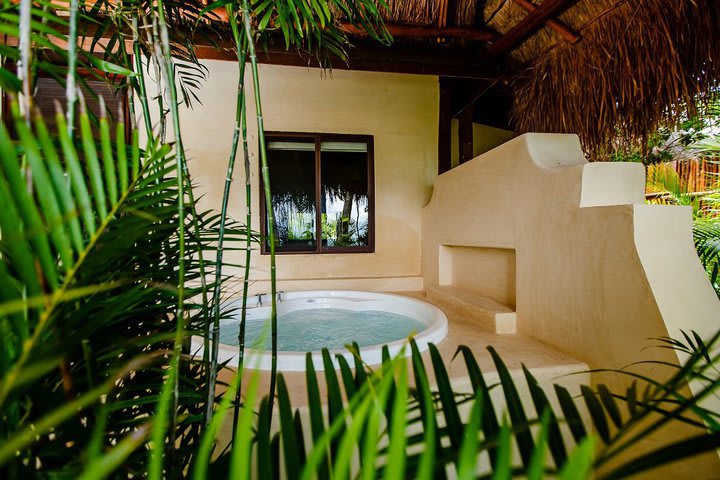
{"x":554,"y":150}
{"x":612,"y":183}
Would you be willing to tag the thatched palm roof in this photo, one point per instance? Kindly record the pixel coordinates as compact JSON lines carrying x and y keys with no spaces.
{"x":594,"y":67}
{"x":605,"y":69}
{"x":600,"y":68}
{"x":639,"y":65}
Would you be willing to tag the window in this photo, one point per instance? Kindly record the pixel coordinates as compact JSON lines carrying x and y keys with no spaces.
{"x":322,"y":188}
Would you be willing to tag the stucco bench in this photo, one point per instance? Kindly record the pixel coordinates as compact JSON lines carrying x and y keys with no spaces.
{"x":488,"y":314}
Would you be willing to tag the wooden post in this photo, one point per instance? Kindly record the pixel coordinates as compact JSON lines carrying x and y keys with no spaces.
{"x":465,"y":130}
{"x":528,"y":26}
{"x":444,"y":130}
{"x":559,"y":27}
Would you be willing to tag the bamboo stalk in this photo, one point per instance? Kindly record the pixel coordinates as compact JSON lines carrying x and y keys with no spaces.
{"x":23,"y":74}
{"x":240,"y":99}
{"x":170,"y":389}
{"x":167,"y":70}
{"x":129,"y":81}
{"x":248,"y":244}
{"x":166,"y":75}
{"x":70,"y":82}
{"x":268,"y":200}
{"x":155,"y":42}
{"x":140,"y":70}
{"x":241,"y":124}
{"x":198,"y":238}
{"x":23,"y":66}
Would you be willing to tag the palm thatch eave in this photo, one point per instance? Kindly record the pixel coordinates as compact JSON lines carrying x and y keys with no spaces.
{"x":638,"y":65}
{"x":643,"y":65}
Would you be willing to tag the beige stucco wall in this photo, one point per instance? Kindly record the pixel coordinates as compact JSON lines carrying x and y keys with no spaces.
{"x":591,"y":257}
{"x":400,"y":111}
{"x":485,"y":138}
{"x":598,"y":272}
{"x":469,"y":263}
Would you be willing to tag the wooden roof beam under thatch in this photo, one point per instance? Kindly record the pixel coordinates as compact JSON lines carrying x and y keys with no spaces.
{"x":366,"y":55}
{"x":418,"y":31}
{"x":527,"y":27}
{"x":560,"y":28}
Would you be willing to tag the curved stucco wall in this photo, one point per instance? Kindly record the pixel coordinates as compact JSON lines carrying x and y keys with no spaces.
{"x":592,"y":259}
{"x":597,"y":272}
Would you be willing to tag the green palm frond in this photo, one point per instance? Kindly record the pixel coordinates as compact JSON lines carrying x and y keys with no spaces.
{"x":424,"y":429}
{"x":706,"y":234}
{"x":709,"y":146}
{"x":396,"y":430}
{"x":50,"y":55}
{"x":671,"y":190}
{"x":89,"y":276}
{"x":665,"y":181}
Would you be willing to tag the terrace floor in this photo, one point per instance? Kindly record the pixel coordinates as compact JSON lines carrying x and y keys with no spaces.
{"x":547,"y":364}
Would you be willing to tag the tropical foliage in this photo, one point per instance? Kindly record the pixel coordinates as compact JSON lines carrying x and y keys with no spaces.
{"x":670,"y":189}
{"x":107,"y":268}
{"x":697,"y":139}
{"x":90,"y":294}
{"x":393,"y":425}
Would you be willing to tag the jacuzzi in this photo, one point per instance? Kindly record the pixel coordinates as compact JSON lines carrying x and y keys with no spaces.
{"x":328,"y":319}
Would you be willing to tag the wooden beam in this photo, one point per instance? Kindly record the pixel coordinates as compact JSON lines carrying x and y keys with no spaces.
{"x":419,"y":31}
{"x":465,"y":132}
{"x":529,"y":25}
{"x":446,"y":17}
{"x":560,"y":28}
{"x":444,"y":128}
{"x":367,"y":55}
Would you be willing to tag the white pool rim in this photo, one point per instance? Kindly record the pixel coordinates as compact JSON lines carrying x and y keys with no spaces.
{"x":429,"y":315}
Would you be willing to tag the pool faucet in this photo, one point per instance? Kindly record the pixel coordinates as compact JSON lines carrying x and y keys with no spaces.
{"x":259,"y":295}
{"x":279,"y":296}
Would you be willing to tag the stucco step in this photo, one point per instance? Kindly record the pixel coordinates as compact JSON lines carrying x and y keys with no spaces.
{"x":489,"y":314}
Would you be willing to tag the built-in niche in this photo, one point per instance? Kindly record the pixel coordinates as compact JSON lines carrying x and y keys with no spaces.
{"x":489,"y":272}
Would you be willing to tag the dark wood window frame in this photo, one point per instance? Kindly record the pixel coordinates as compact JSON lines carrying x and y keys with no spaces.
{"x":319,"y":138}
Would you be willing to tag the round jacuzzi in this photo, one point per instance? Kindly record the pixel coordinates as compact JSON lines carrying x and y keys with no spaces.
{"x":312,"y":320}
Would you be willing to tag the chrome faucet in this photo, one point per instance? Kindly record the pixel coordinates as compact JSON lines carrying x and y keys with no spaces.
{"x":259,"y":296}
{"x":279,"y":296}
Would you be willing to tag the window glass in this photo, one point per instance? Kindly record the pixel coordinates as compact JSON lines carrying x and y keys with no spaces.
{"x":321,"y":188}
{"x":345,"y":206}
{"x":292,"y":179}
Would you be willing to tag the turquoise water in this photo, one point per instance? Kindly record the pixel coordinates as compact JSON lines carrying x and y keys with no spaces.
{"x":332,"y":328}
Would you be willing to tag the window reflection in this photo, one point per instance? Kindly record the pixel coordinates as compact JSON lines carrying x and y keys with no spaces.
{"x":321,"y":189}
{"x":292,"y":176}
{"x":345,"y":208}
